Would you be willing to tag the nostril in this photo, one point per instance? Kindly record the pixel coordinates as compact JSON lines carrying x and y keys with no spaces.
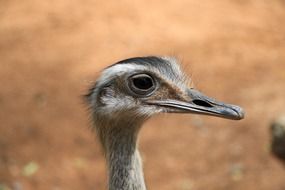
{"x":202,"y":103}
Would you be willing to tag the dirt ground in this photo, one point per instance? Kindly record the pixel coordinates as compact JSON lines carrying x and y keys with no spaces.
{"x":51,"y":51}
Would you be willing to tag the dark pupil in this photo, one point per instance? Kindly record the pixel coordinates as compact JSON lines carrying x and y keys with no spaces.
{"x":143,"y":83}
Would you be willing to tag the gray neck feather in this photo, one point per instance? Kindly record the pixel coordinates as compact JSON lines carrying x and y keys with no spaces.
{"x":124,"y":162}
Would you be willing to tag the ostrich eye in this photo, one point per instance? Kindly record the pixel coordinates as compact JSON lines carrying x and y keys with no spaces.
{"x":142,"y":84}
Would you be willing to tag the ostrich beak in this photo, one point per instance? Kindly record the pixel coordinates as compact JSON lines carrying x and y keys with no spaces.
{"x":201,"y":104}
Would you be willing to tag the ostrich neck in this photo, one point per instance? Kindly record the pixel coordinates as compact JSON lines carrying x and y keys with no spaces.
{"x":123,"y":158}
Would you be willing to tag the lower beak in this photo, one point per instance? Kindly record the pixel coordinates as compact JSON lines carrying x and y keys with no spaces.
{"x":201,"y":104}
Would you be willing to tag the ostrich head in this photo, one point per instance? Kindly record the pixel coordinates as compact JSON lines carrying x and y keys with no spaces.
{"x":132,"y":90}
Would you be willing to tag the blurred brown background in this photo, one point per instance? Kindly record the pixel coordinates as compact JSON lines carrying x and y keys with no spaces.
{"x":51,"y":51}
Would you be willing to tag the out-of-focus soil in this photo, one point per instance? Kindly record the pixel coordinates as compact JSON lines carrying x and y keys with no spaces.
{"x":51,"y":51}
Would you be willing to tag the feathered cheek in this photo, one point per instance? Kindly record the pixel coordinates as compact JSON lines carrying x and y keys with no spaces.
{"x":105,"y":96}
{"x":119,"y":103}
{"x":148,"y":111}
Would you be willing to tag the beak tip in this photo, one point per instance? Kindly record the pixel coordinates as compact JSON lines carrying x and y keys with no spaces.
{"x":240,"y":113}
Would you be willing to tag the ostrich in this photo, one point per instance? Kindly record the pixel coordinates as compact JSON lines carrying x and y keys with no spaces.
{"x":131,"y":91}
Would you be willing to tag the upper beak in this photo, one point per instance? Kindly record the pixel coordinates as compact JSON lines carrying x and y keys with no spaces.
{"x":201,"y":104}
